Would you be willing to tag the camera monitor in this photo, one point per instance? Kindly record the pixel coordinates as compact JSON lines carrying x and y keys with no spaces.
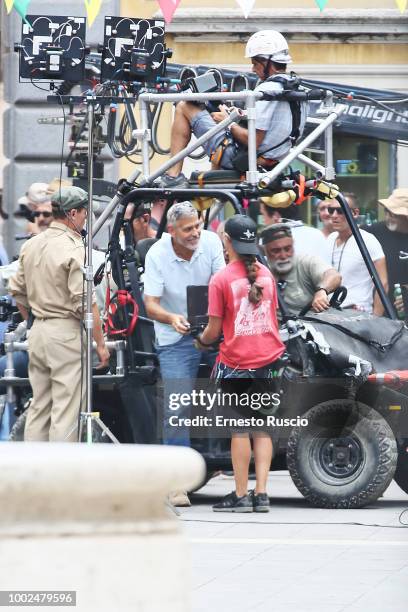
{"x":197,"y":305}
{"x":52,"y":48}
{"x":133,"y":49}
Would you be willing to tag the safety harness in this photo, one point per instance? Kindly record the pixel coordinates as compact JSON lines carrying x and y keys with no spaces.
{"x":289,"y":85}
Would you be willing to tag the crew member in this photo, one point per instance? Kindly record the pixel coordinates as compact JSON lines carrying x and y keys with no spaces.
{"x":348,"y":261}
{"x":269,"y":54}
{"x":49,"y":283}
{"x":392,"y":234}
{"x":242,"y":305}
{"x":42,"y":217}
{"x":325,"y":219}
{"x":140,"y":219}
{"x":307,"y":240}
{"x":304,"y":279}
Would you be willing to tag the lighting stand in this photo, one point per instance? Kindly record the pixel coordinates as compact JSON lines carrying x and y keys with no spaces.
{"x":89,"y":419}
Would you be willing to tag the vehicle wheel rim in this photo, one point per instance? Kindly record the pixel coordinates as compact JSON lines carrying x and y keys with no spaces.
{"x":337,"y":459}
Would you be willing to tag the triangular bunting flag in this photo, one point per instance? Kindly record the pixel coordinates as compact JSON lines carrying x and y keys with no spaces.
{"x":92,"y":8}
{"x":402,"y":5}
{"x":9,"y":5}
{"x":246,"y":6}
{"x":321,"y":3}
{"x":168,"y":8}
{"x":21,"y":7}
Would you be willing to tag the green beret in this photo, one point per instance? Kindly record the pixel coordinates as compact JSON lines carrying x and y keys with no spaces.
{"x":68,"y":198}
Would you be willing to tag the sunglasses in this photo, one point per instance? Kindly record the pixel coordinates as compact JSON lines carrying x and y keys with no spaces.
{"x":332,"y":209}
{"x":45,"y":214}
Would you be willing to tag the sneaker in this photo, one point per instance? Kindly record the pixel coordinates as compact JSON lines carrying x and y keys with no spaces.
{"x":167,"y":182}
{"x":179,"y":499}
{"x":260,"y":501}
{"x":233,"y":503}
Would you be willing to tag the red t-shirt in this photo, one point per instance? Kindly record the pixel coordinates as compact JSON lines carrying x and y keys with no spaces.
{"x":251,"y":337}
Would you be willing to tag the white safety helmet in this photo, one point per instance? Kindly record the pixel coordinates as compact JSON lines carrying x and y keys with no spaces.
{"x":270,"y":44}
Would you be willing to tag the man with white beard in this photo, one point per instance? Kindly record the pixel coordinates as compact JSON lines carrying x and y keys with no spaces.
{"x":303,"y":279}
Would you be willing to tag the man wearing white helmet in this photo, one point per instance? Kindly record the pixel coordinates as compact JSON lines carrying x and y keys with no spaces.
{"x":269,"y":54}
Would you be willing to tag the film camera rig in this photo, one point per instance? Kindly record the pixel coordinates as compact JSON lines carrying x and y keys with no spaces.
{"x":133,"y":70}
{"x":52,"y":48}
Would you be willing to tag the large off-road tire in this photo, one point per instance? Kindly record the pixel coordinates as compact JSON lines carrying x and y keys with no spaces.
{"x":17,"y":431}
{"x":346,"y":456}
{"x":401,"y":473}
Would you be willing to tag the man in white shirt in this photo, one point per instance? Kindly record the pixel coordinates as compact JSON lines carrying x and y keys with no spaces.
{"x":187,"y":255}
{"x":348,"y":261}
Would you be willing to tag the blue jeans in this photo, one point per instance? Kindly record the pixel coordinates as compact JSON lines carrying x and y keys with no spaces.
{"x":179,"y":363}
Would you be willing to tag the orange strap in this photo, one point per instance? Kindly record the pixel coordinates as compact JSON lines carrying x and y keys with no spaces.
{"x":216,"y":156}
{"x":301,"y":191}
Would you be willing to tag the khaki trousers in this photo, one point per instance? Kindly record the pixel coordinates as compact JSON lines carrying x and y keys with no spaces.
{"x":54,"y":348}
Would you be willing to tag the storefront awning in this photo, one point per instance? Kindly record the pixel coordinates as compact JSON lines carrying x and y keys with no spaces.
{"x":372,"y":113}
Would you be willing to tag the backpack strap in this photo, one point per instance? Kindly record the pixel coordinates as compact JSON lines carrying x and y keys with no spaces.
{"x":290,"y":84}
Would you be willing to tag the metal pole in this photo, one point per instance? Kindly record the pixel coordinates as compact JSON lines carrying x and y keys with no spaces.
{"x":9,"y":372}
{"x":201,"y":97}
{"x":328,"y":157}
{"x":168,"y":164}
{"x":89,"y":275}
{"x":233,"y":116}
{"x":269,"y":177}
{"x":366,"y":256}
{"x":252,"y":173}
{"x":144,"y":128}
{"x":312,"y":164}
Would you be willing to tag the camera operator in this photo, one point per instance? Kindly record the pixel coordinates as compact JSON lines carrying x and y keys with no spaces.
{"x":269,"y":54}
{"x":49,"y":282}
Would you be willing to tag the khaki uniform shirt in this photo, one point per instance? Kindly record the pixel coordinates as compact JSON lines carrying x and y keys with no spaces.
{"x":49,"y":278}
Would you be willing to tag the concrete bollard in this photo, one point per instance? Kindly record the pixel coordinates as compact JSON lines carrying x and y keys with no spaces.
{"x":92,"y":519}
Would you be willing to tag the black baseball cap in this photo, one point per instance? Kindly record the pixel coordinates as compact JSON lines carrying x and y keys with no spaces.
{"x":242,"y":231}
{"x":140,"y":209}
{"x":276,"y":231}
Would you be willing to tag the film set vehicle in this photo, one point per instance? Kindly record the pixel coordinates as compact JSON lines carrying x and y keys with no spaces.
{"x":347,"y":371}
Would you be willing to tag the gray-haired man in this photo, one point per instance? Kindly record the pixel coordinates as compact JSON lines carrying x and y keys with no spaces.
{"x":186,"y":255}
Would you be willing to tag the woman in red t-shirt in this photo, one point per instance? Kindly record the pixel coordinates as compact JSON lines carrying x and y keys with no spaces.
{"x":242,"y":306}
